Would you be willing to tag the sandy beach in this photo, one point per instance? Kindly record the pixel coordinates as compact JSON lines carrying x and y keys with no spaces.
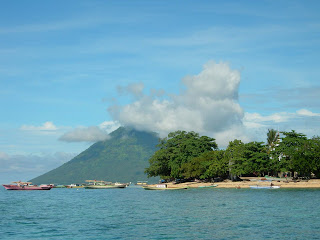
{"x":313,"y":183}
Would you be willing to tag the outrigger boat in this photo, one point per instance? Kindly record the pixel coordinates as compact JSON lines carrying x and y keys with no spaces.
{"x":26,"y":186}
{"x":163,"y":187}
{"x":99,"y":184}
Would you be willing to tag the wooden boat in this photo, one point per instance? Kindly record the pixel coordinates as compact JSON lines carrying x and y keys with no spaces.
{"x":26,"y":186}
{"x":142,"y":183}
{"x":74,"y":185}
{"x":209,"y":186}
{"x":163,"y":187}
{"x":264,"y":187}
{"x":99,"y":184}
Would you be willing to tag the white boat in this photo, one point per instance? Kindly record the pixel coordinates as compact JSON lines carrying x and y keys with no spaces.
{"x":98,"y":184}
{"x":162,"y":187}
{"x":74,"y":185}
{"x":264,"y":187}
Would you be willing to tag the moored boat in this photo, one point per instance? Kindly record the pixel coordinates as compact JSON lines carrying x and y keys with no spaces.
{"x":121,"y":185}
{"x":26,"y":186}
{"x":142,"y":183}
{"x":74,"y":185}
{"x":264,"y":187}
{"x":208,"y":186}
{"x":162,"y":187}
{"x":99,"y":184}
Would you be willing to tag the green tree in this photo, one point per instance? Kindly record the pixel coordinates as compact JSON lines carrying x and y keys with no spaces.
{"x":176,"y":149}
{"x":235,"y":157}
{"x":292,"y":151}
{"x":256,"y":159}
{"x":218,"y":165}
{"x":207,"y":165}
{"x":314,"y":153}
{"x":247,"y":159}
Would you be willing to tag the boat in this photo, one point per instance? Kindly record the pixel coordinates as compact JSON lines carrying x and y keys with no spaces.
{"x":26,"y":186}
{"x":121,"y":185}
{"x":99,"y":184}
{"x":208,"y":186}
{"x":162,"y":187}
{"x":264,"y":187}
{"x":142,"y":183}
{"x":74,"y":185}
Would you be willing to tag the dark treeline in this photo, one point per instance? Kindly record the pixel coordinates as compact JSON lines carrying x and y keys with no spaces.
{"x":186,"y":155}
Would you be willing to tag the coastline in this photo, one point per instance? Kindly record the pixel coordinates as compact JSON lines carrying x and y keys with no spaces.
{"x":313,"y":183}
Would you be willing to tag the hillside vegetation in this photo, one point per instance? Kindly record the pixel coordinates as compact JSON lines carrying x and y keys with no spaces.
{"x":122,"y":158}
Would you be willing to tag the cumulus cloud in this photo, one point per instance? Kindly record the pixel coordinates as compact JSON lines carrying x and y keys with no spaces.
{"x":47,"y":126}
{"x":303,"y":121}
{"x":207,"y":103}
{"x":307,"y":113}
{"x":109,"y":126}
{"x":257,"y":120}
{"x":85,"y":134}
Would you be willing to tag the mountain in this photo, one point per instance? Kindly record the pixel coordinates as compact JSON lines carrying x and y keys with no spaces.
{"x":123,"y":157}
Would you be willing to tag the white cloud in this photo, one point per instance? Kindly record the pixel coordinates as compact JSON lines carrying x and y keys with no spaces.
{"x":47,"y":126}
{"x":234,"y":132}
{"x":208,"y":104}
{"x":109,"y":126}
{"x":250,"y":118}
{"x":303,"y":121}
{"x":85,"y":134}
{"x":257,"y":120}
{"x":307,"y":113}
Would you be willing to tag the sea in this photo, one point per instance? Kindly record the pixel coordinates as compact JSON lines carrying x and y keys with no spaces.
{"x":135,"y":213}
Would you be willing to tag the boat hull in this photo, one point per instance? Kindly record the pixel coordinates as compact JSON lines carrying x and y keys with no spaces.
{"x":264,"y":187}
{"x":159,"y":188}
{"x":15,"y":187}
{"x":103,"y":187}
{"x":210,"y":186}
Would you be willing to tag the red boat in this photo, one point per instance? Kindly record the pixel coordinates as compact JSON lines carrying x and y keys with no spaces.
{"x":26,"y":186}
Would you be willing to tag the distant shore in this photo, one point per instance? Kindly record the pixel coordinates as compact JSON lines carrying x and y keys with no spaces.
{"x":313,"y":183}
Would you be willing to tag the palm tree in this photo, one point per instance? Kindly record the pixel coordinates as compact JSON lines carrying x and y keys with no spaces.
{"x":272,"y":138}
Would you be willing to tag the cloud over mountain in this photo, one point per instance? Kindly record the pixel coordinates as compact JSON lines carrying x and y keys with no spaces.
{"x":90,"y":134}
{"x":207,"y":103}
{"x":85,"y":134}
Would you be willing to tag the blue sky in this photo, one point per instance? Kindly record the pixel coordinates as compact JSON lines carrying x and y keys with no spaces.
{"x":72,"y":71}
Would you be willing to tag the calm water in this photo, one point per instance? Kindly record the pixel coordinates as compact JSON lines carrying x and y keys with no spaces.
{"x":135,"y":213}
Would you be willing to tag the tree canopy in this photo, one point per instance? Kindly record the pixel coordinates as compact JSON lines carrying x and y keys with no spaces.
{"x":187,"y":155}
{"x":178,"y":148}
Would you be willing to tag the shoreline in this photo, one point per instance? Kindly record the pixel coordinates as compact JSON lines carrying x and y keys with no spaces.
{"x":313,"y":183}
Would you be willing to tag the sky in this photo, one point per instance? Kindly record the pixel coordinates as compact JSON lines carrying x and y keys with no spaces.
{"x":73,"y":71}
